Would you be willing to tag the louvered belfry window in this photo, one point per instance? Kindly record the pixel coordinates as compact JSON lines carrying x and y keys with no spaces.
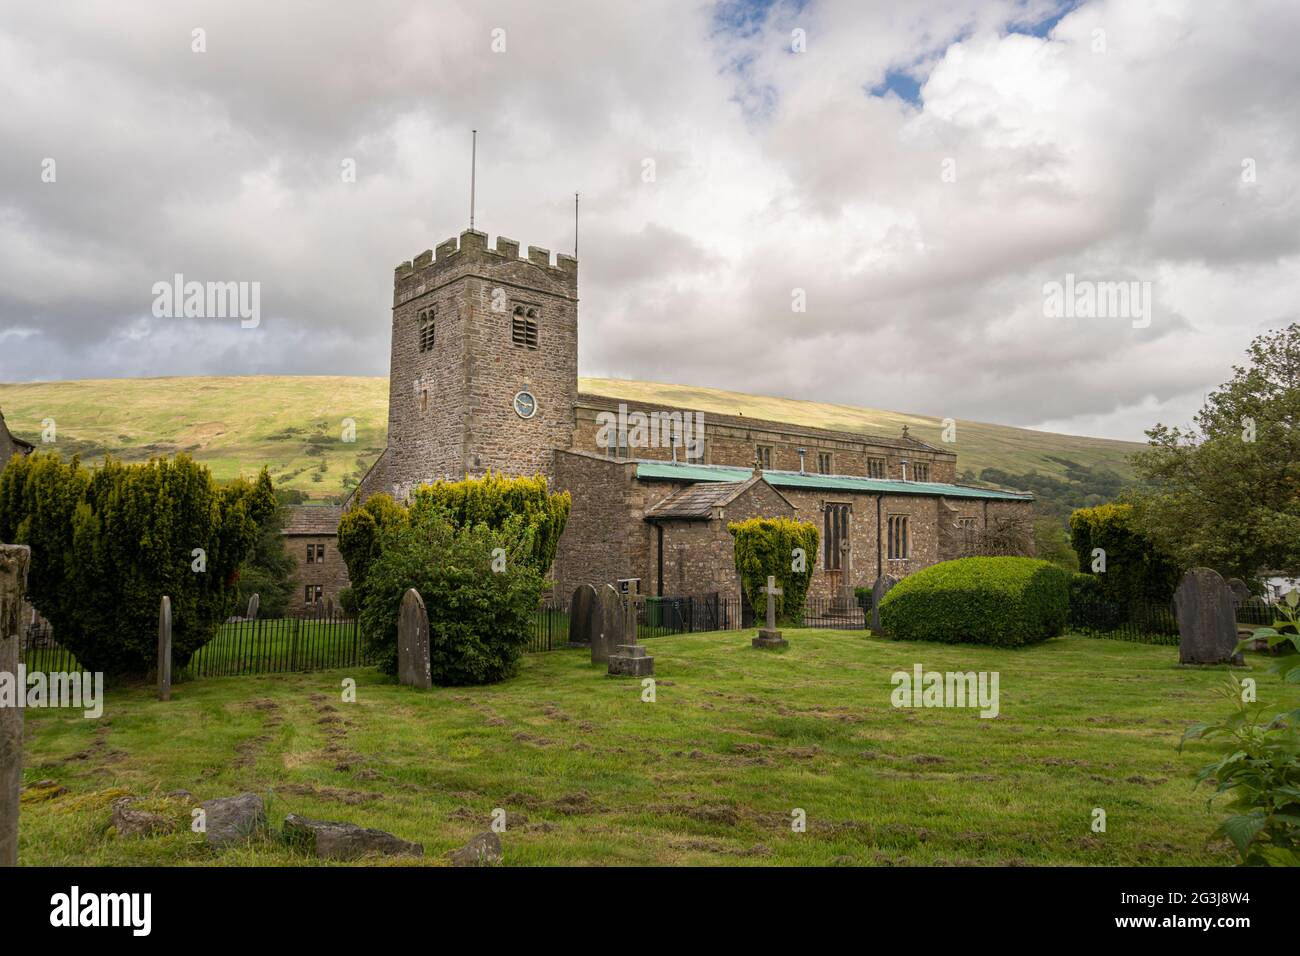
{"x":523,"y":327}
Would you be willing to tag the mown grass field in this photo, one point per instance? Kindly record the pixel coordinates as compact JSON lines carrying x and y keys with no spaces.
{"x":708,"y":774}
{"x":294,"y":424}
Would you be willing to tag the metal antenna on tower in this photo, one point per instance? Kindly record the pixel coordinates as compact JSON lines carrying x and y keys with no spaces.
{"x":473,"y":162}
{"x":575,"y":225}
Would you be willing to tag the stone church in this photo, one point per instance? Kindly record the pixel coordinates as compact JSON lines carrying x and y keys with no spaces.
{"x":484,"y":375}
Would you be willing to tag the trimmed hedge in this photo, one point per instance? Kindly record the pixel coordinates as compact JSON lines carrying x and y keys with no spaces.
{"x":1004,"y":602}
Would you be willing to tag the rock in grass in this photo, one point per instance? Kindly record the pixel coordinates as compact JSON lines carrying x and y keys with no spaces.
{"x":130,"y":821}
{"x":231,"y":820}
{"x":483,"y":850}
{"x":333,"y":840}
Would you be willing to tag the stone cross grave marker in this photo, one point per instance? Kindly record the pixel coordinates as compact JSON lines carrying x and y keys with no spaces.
{"x":628,"y":658}
{"x":254,"y":603}
{"x":581,"y":609}
{"x":878,"y":591}
{"x":14,"y":560}
{"x":769,"y":636}
{"x":165,"y":648}
{"x":413,"y":665}
{"x":1207,"y":620}
{"x":606,"y":624}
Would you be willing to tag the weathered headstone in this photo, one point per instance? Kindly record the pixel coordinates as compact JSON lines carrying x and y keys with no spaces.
{"x":413,"y":664}
{"x":14,"y":559}
{"x":1240,"y":590}
{"x":769,"y":636}
{"x":606,"y":624}
{"x":581,"y":608}
{"x":629,"y":658}
{"x":329,"y":608}
{"x":165,"y":648}
{"x":878,"y":591}
{"x":1207,"y":622}
{"x":254,"y":604}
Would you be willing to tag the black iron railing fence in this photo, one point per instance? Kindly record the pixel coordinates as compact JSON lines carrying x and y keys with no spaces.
{"x":1146,"y":622}
{"x":287,"y":645}
{"x":277,"y":646}
{"x":659,"y":616}
{"x":243,"y":647}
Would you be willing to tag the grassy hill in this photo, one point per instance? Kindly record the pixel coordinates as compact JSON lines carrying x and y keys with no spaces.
{"x":294,"y":424}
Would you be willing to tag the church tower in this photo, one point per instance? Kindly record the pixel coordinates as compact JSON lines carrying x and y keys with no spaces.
{"x":484,"y":369}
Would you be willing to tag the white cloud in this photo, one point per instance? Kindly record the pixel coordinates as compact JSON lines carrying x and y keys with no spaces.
{"x":775,"y":170}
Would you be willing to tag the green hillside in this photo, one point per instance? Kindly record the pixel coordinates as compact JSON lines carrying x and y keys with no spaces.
{"x":294,"y":424}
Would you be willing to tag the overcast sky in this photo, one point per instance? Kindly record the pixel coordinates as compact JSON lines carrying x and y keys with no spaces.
{"x":920,"y":170}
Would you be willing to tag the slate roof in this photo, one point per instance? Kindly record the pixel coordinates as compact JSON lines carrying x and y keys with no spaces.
{"x":606,"y":403}
{"x":697,"y":501}
{"x":670,"y":471}
{"x":313,"y":519}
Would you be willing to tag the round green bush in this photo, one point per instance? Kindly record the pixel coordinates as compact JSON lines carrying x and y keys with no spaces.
{"x":1003,"y":602}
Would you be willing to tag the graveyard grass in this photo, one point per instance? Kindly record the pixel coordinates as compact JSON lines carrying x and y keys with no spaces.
{"x":708,"y":774}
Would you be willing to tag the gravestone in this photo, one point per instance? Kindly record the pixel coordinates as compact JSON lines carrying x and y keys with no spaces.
{"x":320,"y":610}
{"x":606,"y":624}
{"x":413,"y":665}
{"x":581,"y":608}
{"x":878,"y":591}
{"x":254,"y":604}
{"x":629,"y":659}
{"x":14,"y":560}
{"x":1240,"y":590}
{"x":165,"y":648}
{"x":1207,"y":622}
{"x":769,"y":636}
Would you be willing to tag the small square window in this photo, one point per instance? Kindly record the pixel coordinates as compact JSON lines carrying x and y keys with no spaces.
{"x":824,"y":463}
{"x":876,"y":468}
{"x":921,"y":471}
{"x":763,"y":456}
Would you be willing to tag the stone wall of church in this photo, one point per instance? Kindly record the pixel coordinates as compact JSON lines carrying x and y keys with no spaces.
{"x":605,"y":538}
{"x":699,"y":556}
{"x":726,"y":444}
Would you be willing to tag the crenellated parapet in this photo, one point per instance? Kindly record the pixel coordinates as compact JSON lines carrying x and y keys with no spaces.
{"x":470,"y":251}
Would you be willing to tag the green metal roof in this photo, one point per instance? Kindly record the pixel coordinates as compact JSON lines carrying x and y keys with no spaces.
{"x":793,"y":479}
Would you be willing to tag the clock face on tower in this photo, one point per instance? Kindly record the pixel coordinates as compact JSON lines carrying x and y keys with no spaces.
{"x":525,"y":405}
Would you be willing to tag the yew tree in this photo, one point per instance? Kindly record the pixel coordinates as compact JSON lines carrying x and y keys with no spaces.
{"x":108,"y":542}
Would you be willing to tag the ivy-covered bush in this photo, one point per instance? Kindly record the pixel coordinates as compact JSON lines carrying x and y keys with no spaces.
{"x":1004,"y":602}
{"x":107,"y":544}
{"x":1136,"y":571}
{"x":780,"y":547}
{"x":480,"y":619}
